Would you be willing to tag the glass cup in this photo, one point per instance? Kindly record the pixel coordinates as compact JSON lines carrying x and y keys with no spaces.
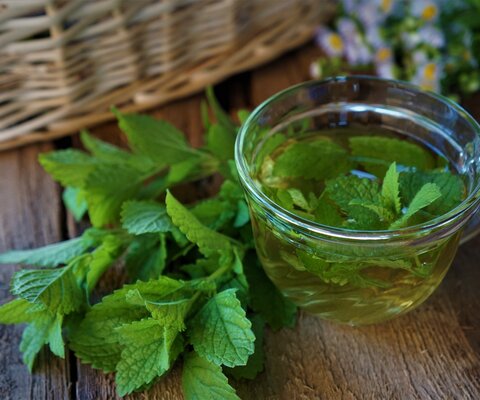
{"x":361,"y":277}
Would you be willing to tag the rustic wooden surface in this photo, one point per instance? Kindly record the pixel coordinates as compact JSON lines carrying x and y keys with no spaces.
{"x":431,"y":353}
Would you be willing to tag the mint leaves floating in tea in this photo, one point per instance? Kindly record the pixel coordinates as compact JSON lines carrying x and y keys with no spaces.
{"x":342,"y":179}
{"x":197,"y":291}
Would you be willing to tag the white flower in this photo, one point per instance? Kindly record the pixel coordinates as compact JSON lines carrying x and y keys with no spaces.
{"x":384,"y":55}
{"x":350,"y":6}
{"x":368,"y":15}
{"x":410,"y":39}
{"x":385,"y":6}
{"x":347,"y":28}
{"x":428,"y":76}
{"x":385,"y":70}
{"x":419,"y":57}
{"x":374,"y":38}
{"x":330,"y":42}
{"x":432,"y":36}
{"x":357,"y":52}
{"x":425,"y":9}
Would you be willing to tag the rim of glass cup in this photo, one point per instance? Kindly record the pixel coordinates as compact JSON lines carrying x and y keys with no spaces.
{"x":468,"y":204}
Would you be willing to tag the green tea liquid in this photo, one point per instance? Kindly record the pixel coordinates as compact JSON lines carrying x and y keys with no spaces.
{"x":351,"y":284}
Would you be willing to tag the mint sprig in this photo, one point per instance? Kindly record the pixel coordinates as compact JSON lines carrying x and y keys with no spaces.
{"x":188,"y":297}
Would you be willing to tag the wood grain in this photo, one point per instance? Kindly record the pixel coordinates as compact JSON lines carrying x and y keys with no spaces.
{"x":30,"y":216}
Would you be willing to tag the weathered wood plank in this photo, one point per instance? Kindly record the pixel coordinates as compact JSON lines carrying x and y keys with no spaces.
{"x":30,"y":216}
{"x":432,"y":352}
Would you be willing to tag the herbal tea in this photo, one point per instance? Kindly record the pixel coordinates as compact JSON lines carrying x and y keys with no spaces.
{"x":357,"y":180}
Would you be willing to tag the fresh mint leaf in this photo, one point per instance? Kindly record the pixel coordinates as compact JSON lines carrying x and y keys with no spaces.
{"x":451,"y":187}
{"x":145,"y":355}
{"x":390,"y":189}
{"x":265,"y":298}
{"x":158,"y":140}
{"x":146,"y":256}
{"x":376,"y":154}
{"x":221,"y":141}
{"x":327,"y":213}
{"x":202,"y":380}
{"x":109,"y":153}
{"x":221,"y":333}
{"x":107,"y":188}
{"x":95,"y":340}
{"x":45,"y":328}
{"x":74,"y":200}
{"x":102,"y":258}
{"x":139,"y":217}
{"x":221,"y":116}
{"x":69,"y":167}
{"x":268,"y":147}
{"x":207,"y":240}
{"x":48,"y":256}
{"x":256,"y":361}
{"x":56,"y":289}
{"x":424,"y":197}
{"x":16,"y":311}
{"x":320,"y":159}
{"x":351,"y":193}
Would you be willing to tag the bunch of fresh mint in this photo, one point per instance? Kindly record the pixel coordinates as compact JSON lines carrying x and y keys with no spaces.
{"x":197,"y":291}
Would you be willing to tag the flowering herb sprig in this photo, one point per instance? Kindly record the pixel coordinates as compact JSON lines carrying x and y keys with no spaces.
{"x":432,"y":43}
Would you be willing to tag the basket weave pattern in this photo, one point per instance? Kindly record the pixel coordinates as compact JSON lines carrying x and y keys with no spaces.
{"x":63,"y":63}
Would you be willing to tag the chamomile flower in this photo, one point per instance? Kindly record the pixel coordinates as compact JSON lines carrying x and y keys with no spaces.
{"x":428,"y":76}
{"x":426,"y":10}
{"x":432,"y":36}
{"x":386,"y":70}
{"x":383,"y":55}
{"x":330,"y":42}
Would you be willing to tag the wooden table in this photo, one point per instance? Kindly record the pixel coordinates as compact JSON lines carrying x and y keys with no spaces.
{"x":432,"y":353}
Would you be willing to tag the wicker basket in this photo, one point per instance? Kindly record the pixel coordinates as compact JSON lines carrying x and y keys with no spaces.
{"x":63,"y":63}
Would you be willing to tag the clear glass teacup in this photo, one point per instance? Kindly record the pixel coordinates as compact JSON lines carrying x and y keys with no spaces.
{"x":412,"y":261}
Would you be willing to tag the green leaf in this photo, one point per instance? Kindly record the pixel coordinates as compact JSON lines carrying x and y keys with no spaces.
{"x":350,"y":193}
{"x":146,"y":257}
{"x":107,"y":188}
{"x":266,"y":299}
{"x":256,"y":361}
{"x":145,"y":355}
{"x":390,"y":189}
{"x":56,"y":289}
{"x":203,"y":380}
{"x":267,"y":148}
{"x":451,"y":186}
{"x":221,"y":116}
{"x":69,"y":167}
{"x":139,"y":217}
{"x":75,"y":202}
{"x":47,"y":256}
{"x":320,"y":159}
{"x":221,"y":333}
{"x":207,"y":240}
{"x":221,"y":141}
{"x":16,"y":311}
{"x":376,"y":154}
{"x":425,"y":196}
{"x":44,"y":329}
{"x":114,"y":155}
{"x":160,"y":141}
{"x":102,"y":258}
{"x":95,"y":340}
{"x":327,"y":213}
